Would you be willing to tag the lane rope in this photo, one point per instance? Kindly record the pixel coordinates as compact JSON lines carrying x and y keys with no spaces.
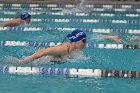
{"x":122,"y":31}
{"x":50,"y":44}
{"x":72,"y":72}
{"x":123,"y":6}
{"x":71,"y":20}
{"x":75,"y":14}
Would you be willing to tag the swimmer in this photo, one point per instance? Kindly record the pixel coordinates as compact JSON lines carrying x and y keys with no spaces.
{"x":77,"y":42}
{"x":116,"y":38}
{"x":25,"y":18}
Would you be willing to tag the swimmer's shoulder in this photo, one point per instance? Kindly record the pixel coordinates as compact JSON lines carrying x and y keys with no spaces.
{"x":63,"y":47}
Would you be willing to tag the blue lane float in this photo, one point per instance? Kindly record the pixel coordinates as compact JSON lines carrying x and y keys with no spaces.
{"x":81,"y":72}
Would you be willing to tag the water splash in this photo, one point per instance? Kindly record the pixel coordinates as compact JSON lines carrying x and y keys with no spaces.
{"x":42,"y":60}
{"x":77,"y":56}
{"x":134,"y":37}
{"x":10,"y":60}
{"x":79,"y":8}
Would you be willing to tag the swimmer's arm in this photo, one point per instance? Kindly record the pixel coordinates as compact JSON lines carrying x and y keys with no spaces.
{"x":49,"y":51}
{"x":5,"y":24}
{"x":114,"y":38}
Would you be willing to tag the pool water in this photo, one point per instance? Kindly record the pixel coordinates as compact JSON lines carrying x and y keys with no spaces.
{"x":94,"y":58}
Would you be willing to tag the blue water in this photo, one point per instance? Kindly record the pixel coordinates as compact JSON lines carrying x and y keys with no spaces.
{"x":123,"y":59}
{"x":49,"y":84}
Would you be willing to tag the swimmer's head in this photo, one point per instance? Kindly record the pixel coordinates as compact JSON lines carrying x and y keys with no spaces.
{"x":76,"y":35}
{"x":25,"y":15}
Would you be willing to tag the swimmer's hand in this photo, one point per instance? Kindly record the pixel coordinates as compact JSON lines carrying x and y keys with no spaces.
{"x":25,"y":60}
{"x":21,"y":61}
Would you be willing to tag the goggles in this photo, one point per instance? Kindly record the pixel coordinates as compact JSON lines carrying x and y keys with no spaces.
{"x":84,"y":40}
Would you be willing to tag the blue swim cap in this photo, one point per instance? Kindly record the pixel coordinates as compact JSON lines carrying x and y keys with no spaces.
{"x":76,"y":35}
{"x":25,"y":15}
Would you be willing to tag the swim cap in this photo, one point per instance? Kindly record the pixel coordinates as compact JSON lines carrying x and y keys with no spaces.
{"x":76,"y":35}
{"x":25,"y":15}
